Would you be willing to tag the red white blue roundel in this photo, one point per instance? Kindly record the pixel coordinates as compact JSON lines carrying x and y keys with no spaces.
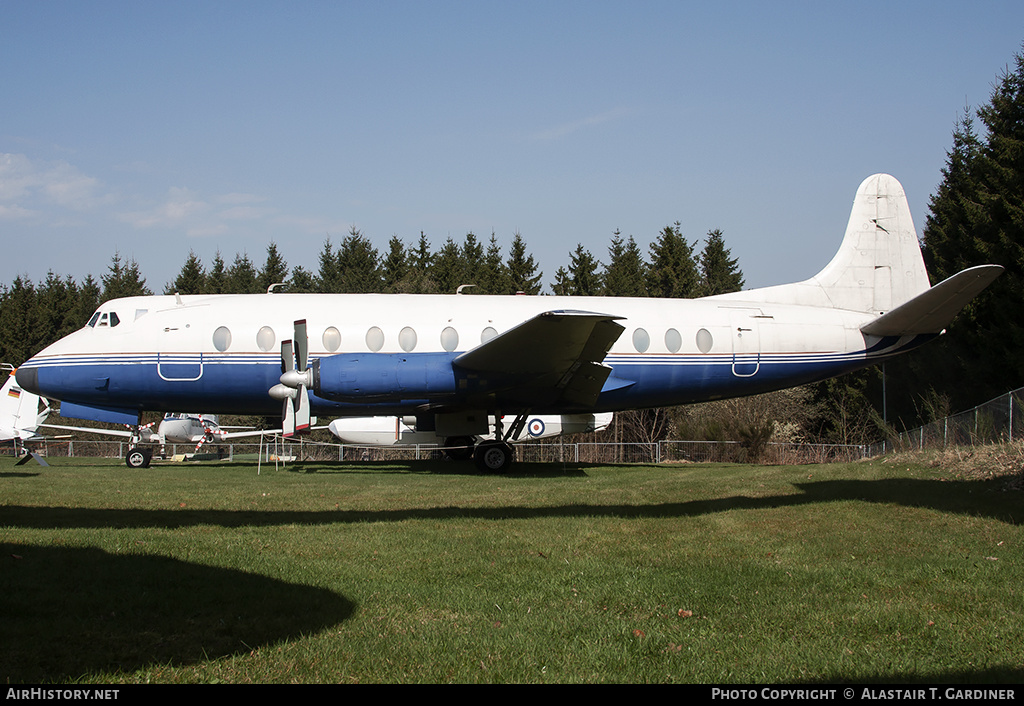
{"x":535,"y":427}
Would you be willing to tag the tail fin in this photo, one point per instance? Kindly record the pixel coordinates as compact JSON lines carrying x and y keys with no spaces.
{"x":879,"y":264}
{"x":879,"y":270}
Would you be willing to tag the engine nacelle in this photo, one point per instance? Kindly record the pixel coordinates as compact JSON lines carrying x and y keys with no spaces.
{"x":384,"y":376}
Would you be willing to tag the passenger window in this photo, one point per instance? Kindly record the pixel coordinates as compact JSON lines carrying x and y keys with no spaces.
{"x":641,"y":340}
{"x":265,"y":338}
{"x":222,"y":338}
{"x":449,"y":339}
{"x":407,"y":339}
{"x":704,"y":340}
{"x":332,"y":339}
{"x":375,"y":339}
{"x":673,"y":341}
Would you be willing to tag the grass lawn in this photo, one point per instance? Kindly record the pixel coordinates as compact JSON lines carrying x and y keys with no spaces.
{"x":425,"y":572}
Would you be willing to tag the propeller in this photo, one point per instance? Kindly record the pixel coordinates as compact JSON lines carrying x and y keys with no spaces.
{"x":296,"y":378}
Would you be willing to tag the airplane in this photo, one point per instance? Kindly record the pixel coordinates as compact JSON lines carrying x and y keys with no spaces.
{"x":174,"y":428}
{"x":21,"y":412}
{"x":392,"y":431}
{"x":458,"y":362}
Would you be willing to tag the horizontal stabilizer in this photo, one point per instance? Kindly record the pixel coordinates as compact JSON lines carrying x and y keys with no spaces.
{"x":934,"y":309}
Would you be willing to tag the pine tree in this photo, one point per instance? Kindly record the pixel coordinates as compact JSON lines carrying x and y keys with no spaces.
{"x":191,"y":279}
{"x":419,"y":278}
{"x":395,"y":266}
{"x":274,"y":271}
{"x":582,"y":279}
{"x":719,"y":273}
{"x":494,"y":277}
{"x":447,"y":271}
{"x":625,"y":275}
{"x":217,"y":277}
{"x":522,"y":269}
{"x":672,"y":271}
{"x":123,"y":280}
{"x":977,"y":217}
{"x":358,"y":264}
{"x":241,"y":277}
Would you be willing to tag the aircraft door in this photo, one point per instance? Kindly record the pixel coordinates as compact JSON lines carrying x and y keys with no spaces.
{"x":746,"y":342}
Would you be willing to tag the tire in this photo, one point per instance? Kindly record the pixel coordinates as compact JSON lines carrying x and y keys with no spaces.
{"x":493,"y":456}
{"x":138,"y":458}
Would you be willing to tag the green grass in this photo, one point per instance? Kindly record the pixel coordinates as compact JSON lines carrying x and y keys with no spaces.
{"x":426,"y":572}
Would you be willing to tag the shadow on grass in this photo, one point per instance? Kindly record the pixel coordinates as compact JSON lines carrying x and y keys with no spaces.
{"x":67,"y":612}
{"x":984,"y":498}
{"x":442,"y":467}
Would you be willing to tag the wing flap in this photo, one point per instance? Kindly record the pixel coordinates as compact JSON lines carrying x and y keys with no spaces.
{"x":553,"y":358}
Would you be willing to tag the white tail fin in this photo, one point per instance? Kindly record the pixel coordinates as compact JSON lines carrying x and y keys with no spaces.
{"x":879,"y":264}
{"x":21,"y":412}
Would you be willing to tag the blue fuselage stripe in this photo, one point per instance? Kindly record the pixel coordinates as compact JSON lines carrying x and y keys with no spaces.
{"x":239,"y":384}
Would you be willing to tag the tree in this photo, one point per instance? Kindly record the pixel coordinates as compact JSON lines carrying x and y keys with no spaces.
{"x":977,"y":217}
{"x":522,"y":269}
{"x":719,"y":273}
{"x":191,"y":279}
{"x":395,"y":265}
{"x":241,"y":277}
{"x":447,"y":268}
{"x":672,"y":271}
{"x":494,"y":277}
{"x":123,"y":280}
{"x":328,"y":277}
{"x":625,"y":275}
{"x":418,"y":278}
{"x":274,"y":271}
{"x":358,"y":269}
{"x":217,"y":277}
{"x":582,"y":278}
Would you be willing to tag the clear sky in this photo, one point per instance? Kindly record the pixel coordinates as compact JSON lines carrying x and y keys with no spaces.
{"x":155,"y":128}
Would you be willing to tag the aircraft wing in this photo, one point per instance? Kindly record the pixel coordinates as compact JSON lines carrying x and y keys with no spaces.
{"x":90,"y":430}
{"x":933,"y":310}
{"x":554,"y":358}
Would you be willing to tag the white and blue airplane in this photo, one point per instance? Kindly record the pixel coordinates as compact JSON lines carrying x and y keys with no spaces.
{"x":456,"y":362}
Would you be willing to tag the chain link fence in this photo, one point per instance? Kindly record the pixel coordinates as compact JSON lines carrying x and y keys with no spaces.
{"x":1000,"y":420}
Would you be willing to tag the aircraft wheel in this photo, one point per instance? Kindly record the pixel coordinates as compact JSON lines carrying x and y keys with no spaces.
{"x":493,"y":456}
{"x":138,"y":458}
{"x":459,"y":448}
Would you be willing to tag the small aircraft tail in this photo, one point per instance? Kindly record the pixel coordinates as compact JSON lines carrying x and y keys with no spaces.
{"x":879,"y":269}
{"x":21,"y":411}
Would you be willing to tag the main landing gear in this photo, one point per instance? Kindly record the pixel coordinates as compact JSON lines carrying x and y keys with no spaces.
{"x":138,"y":457}
{"x":496,"y":455}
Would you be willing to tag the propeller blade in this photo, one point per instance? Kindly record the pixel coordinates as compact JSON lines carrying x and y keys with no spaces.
{"x":301,"y":345}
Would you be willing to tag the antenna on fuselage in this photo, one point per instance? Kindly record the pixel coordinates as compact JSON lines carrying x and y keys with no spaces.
{"x":463,"y":286}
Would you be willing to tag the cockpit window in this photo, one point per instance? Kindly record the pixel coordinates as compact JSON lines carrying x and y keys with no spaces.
{"x":104,"y":319}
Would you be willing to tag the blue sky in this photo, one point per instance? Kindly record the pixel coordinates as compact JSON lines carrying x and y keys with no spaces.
{"x":156,"y":128}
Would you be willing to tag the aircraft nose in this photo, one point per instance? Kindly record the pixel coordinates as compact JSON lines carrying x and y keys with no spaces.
{"x":28,"y":379}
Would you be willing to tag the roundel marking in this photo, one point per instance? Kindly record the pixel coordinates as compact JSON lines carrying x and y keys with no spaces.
{"x":535,"y":427}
